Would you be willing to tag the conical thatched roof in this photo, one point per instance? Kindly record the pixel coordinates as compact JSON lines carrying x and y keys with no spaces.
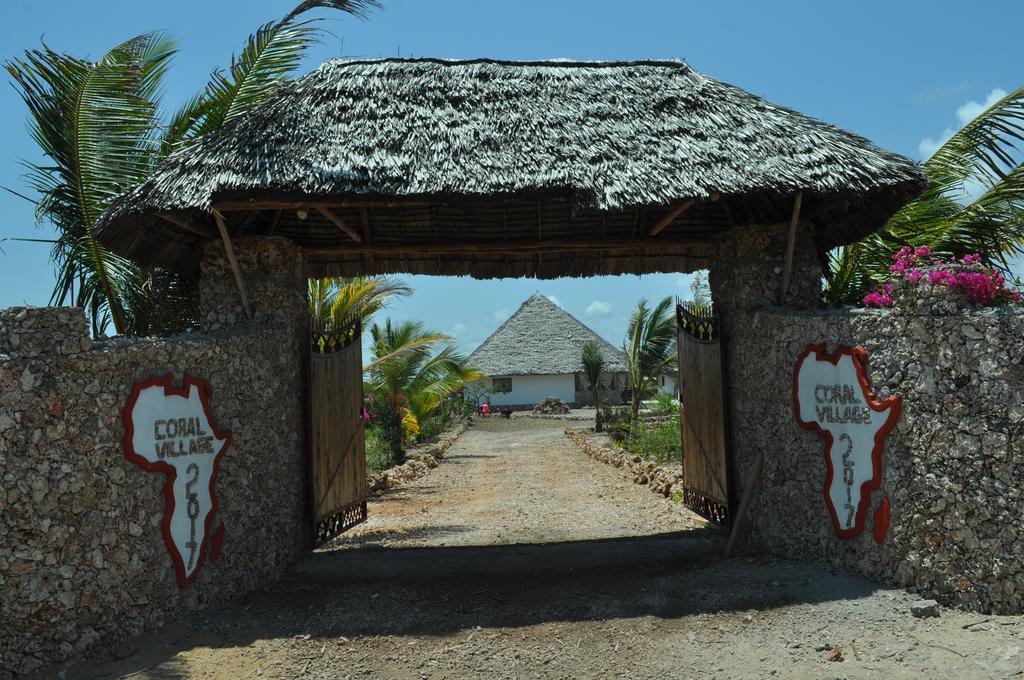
{"x":418,"y":155}
{"x":541,"y":338}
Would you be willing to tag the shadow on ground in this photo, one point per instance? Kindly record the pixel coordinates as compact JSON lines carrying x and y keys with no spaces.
{"x":443,"y":590}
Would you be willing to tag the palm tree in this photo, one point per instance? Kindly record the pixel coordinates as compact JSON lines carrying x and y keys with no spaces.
{"x":593,"y":366}
{"x":99,"y":125}
{"x":974,"y":203}
{"x":650,"y":349}
{"x":413,"y":370}
{"x":334,"y":301}
{"x":701,"y":290}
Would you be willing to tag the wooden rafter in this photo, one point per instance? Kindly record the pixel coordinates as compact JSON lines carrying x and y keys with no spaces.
{"x":674,"y":214}
{"x":230,"y":252}
{"x":339,"y":223}
{"x":188,"y":225}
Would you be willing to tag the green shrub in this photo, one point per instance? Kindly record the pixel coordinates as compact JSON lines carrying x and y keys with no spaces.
{"x":666,"y":403}
{"x":658,"y":441}
{"x":378,"y":453}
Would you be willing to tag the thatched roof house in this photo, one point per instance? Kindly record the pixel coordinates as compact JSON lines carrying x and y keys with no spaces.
{"x":536,"y":353}
{"x":492,"y":168}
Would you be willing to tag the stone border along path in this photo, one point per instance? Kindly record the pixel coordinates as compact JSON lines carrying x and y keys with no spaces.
{"x":419,"y":461}
{"x":658,"y":478}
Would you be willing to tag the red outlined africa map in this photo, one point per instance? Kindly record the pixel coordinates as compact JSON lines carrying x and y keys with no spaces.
{"x":171,"y":430}
{"x":833,"y":397}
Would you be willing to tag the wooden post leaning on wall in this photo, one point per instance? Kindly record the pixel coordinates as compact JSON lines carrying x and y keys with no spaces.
{"x":787,"y":268}
{"x":230,"y":252}
{"x":748,"y":494}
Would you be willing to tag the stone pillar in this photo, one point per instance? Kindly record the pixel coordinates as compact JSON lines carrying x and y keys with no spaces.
{"x":275,"y":280}
{"x":745,"y":276}
{"x":746,"y":269}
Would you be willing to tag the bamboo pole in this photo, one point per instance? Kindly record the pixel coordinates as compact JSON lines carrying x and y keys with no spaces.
{"x":230,"y":252}
{"x":748,"y":493}
{"x":787,"y":269}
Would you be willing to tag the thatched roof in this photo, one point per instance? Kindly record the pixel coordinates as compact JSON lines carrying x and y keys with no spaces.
{"x":541,"y":338}
{"x":433,"y":165}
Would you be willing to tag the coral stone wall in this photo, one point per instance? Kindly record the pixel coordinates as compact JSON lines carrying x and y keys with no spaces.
{"x":953,"y":467}
{"x":82,"y":559}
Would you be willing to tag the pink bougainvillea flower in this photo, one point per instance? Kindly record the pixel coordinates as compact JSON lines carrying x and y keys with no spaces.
{"x":985,"y":288}
{"x":878,"y":299}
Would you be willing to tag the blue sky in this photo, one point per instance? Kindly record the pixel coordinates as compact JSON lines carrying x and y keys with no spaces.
{"x":902,"y":74}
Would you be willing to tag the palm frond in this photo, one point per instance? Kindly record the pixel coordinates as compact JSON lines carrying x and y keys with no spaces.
{"x":982,"y":151}
{"x":359,"y":8}
{"x":94,"y":121}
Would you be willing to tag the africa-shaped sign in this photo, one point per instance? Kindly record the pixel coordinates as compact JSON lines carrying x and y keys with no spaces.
{"x":833,"y":397}
{"x":171,"y":430}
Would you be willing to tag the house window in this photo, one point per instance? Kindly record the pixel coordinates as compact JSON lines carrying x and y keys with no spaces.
{"x":501,"y":385}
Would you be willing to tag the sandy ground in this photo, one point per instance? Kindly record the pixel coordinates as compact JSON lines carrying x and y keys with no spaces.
{"x":519,"y":557}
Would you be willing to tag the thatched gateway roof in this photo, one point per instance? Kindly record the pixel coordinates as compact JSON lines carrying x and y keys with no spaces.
{"x":541,"y":338}
{"x":497,"y":169}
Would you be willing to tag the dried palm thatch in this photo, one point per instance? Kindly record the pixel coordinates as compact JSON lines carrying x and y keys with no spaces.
{"x":497,"y":169}
{"x":541,"y":338}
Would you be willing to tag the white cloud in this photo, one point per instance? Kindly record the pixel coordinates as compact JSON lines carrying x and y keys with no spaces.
{"x":965,"y":113}
{"x":684,"y":281}
{"x":972,"y":109}
{"x":501,"y":314}
{"x":555,"y":300}
{"x":458,"y":329}
{"x":928,"y":146}
{"x":598,"y":308}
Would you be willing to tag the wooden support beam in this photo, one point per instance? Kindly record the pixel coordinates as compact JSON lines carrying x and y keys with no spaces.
{"x":339,"y":223}
{"x":676,"y":212}
{"x":188,"y":225}
{"x":498,"y":247}
{"x":230,"y":252}
{"x":787,"y":269}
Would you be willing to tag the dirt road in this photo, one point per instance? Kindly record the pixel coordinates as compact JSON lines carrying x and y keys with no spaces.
{"x":578,"y":577}
{"x":516,"y":481}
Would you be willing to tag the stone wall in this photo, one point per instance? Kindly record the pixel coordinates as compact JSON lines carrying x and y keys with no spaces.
{"x":82,"y":559}
{"x":953,"y":467}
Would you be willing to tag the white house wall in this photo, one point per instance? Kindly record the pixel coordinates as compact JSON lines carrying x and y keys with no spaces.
{"x":529,"y":389}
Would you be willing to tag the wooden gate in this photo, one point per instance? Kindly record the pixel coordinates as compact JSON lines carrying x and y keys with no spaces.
{"x":702,"y":419}
{"x":337,"y":449}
